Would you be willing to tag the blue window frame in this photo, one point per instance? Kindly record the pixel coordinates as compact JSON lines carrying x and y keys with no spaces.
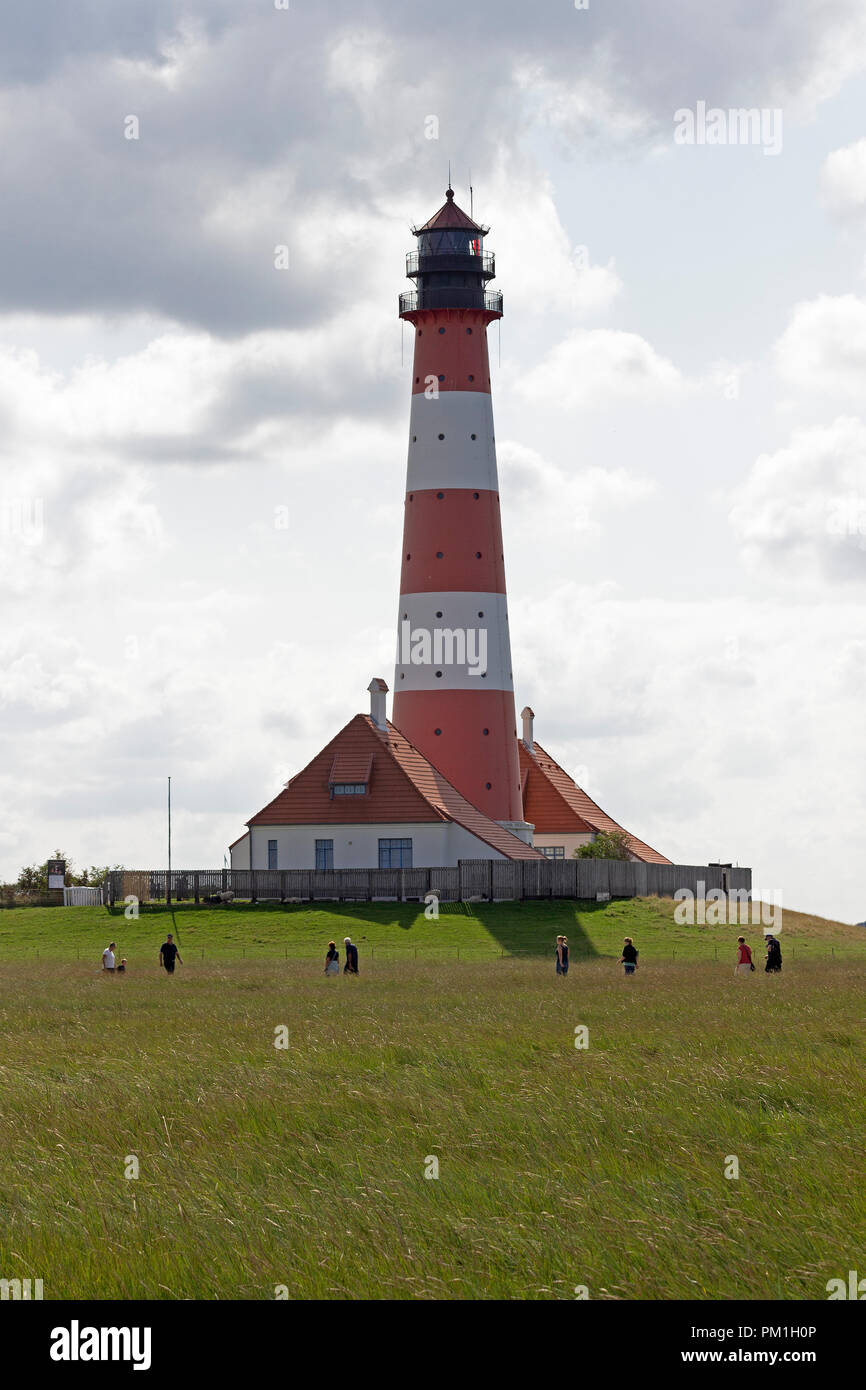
{"x":348,"y":789}
{"x":324,"y":854}
{"x":272,"y":854}
{"x":552,"y":851}
{"x":395,"y":854}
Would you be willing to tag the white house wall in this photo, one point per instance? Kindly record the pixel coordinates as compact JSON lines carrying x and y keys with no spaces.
{"x":434,"y":845}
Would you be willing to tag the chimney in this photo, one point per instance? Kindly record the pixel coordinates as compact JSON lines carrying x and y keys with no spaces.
{"x":528,"y":717}
{"x":378,"y":690}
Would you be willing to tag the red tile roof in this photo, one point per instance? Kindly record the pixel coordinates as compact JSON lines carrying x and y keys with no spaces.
{"x":351,"y":767}
{"x":402,"y":787}
{"x":450,"y":215}
{"x":555,"y":804}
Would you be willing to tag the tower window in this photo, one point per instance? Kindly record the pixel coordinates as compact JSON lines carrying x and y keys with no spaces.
{"x":438,"y":675}
{"x":439,"y":614}
{"x":471,"y":377}
{"x":437,"y":732}
{"x":481,"y":615}
{"x":441,"y":330}
{"x":474,"y":436}
{"x":478,"y":554}
{"x":441,"y":436}
{"x":439,"y":554}
{"x":441,"y":376}
{"x":485,"y":732}
{"x":488,"y":785}
{"x":469,"y":330}
{"x":475,"y":495}
{"x":440,"y":495}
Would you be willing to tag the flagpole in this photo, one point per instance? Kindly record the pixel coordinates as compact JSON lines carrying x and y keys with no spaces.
{"x":168,"y":885}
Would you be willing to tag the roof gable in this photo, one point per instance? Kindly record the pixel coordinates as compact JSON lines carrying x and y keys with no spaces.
{"x":553,"y":797}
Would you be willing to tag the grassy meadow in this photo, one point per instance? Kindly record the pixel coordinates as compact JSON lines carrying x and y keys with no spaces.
{"x":304,"y":1167}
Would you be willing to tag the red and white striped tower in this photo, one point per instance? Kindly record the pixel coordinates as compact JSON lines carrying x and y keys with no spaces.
{"x":458,"y":713}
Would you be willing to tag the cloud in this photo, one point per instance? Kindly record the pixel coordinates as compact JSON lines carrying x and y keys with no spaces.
{"x":592,"y":368}
{"x":822,"y":352}
{"x":801,"y":512}
{"x":843,"y":180}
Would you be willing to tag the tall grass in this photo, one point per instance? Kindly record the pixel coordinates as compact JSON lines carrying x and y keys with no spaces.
{"x":558,"y":1167}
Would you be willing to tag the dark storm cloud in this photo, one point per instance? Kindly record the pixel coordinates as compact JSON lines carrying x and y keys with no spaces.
{"x":95,"y":222}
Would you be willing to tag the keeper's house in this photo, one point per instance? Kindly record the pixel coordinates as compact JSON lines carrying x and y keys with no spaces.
{"x":371,"y":800}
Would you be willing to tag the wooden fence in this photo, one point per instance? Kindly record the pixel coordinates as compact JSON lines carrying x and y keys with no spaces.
{"x":495,"y":880}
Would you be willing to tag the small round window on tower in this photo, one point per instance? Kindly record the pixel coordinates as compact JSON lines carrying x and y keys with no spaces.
{"x":439,"y":554}
{"x":441,"y":330}
{"x":437,"y":732}
{"x":440,"y":495}
{"x":478,"y":554}
{"x":439,"y":614}
{"x":473,"y":436}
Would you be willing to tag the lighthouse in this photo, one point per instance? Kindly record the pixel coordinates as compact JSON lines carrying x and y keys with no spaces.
{"x":453,"y":682}
{"x":447,"y":779}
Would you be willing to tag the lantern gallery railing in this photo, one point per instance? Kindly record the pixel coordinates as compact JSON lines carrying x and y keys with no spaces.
{"x":418,"y":264}
{"x":451,"y":298}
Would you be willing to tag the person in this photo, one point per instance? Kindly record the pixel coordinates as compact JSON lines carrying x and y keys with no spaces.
{"x":744,"y":964}
{"x":562,"y":955}
{"x":332,"y":959}
{"x":108,"y":957}
{"x":121,"y":969}
{"x":168,"y":952}
{"x":774,"y":956}
{"x":629,"y":956}
{"x":351,"y":966}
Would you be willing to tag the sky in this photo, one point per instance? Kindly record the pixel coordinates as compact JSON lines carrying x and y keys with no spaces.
{"x":204,"y":399}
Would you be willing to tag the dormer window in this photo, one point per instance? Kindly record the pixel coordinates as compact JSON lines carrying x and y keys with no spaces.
{"x":350,"y":774}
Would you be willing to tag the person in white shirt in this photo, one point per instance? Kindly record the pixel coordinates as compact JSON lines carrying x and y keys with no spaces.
{"x":108,"y":956}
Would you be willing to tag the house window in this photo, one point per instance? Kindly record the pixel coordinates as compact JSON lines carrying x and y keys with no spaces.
{"x":348,"y":789}
{"x":553,"y":851}
{"x":395,"y":854}
{"x":272,"y":854}
{"x":324,"y":854}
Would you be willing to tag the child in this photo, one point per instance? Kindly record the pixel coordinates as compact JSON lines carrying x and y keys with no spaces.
{"x":629,"y":956}
{"x":562,"y":955}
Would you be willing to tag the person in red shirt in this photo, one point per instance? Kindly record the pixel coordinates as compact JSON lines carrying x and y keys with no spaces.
{"x":744,"y":964}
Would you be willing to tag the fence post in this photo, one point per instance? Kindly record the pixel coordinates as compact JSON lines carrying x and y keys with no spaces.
{"x":490,"y":880}
{"x":253,"y":897}
{"x":195,"y":886}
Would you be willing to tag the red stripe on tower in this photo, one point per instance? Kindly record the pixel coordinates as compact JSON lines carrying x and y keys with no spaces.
{"x":454,"y":695}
